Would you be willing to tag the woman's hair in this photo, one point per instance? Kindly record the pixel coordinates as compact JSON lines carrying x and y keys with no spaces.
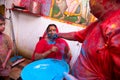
{"x":2,"y":18}
{"x":51,"y":25}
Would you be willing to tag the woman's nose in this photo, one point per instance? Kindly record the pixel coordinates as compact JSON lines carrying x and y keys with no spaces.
{"x":52,"y":31}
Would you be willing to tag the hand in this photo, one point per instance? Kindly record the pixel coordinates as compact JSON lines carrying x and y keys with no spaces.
{"x":54,"y":49}
{"x":69,"y":76}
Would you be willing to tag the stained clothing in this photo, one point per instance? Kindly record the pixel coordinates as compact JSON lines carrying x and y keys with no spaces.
{"x":100,"y":52}
{"x":43,"y":46}
{"x":5,"y":46}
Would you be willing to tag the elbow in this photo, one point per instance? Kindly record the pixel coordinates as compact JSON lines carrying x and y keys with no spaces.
{"x":38,"y":56}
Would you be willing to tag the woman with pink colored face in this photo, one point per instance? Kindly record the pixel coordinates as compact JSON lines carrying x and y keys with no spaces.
{"x":99,"y":58}
{"x":51,"y":47}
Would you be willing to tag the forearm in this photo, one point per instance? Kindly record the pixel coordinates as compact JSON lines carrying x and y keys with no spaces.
{"x":68,"y":36}
{"x":42,"y":55}
{"x":7,"y":58}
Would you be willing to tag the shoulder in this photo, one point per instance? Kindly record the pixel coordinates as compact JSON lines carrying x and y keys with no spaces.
{"x":42,"y":41}
{"x":6,"y":37}
{"x":8,"y":40}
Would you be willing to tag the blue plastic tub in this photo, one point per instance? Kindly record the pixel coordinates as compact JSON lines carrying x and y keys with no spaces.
{"x":45,"y":69}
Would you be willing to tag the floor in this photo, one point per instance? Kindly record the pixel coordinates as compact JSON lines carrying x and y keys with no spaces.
{"x":16,"y":69}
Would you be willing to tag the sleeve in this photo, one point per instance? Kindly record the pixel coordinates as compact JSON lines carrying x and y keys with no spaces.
{"x":38,"y":48}
{"x":81,"y":35}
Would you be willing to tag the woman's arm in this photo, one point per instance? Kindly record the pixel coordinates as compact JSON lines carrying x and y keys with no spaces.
{"x":77,"y":35}
{"x":42,"y":55}
{"x":7,"y":58}
{"x":46,"y":53}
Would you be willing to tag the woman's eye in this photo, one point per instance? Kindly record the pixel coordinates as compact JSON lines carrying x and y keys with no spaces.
{"x":52,"y":30}
{"x":2,"y":24}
